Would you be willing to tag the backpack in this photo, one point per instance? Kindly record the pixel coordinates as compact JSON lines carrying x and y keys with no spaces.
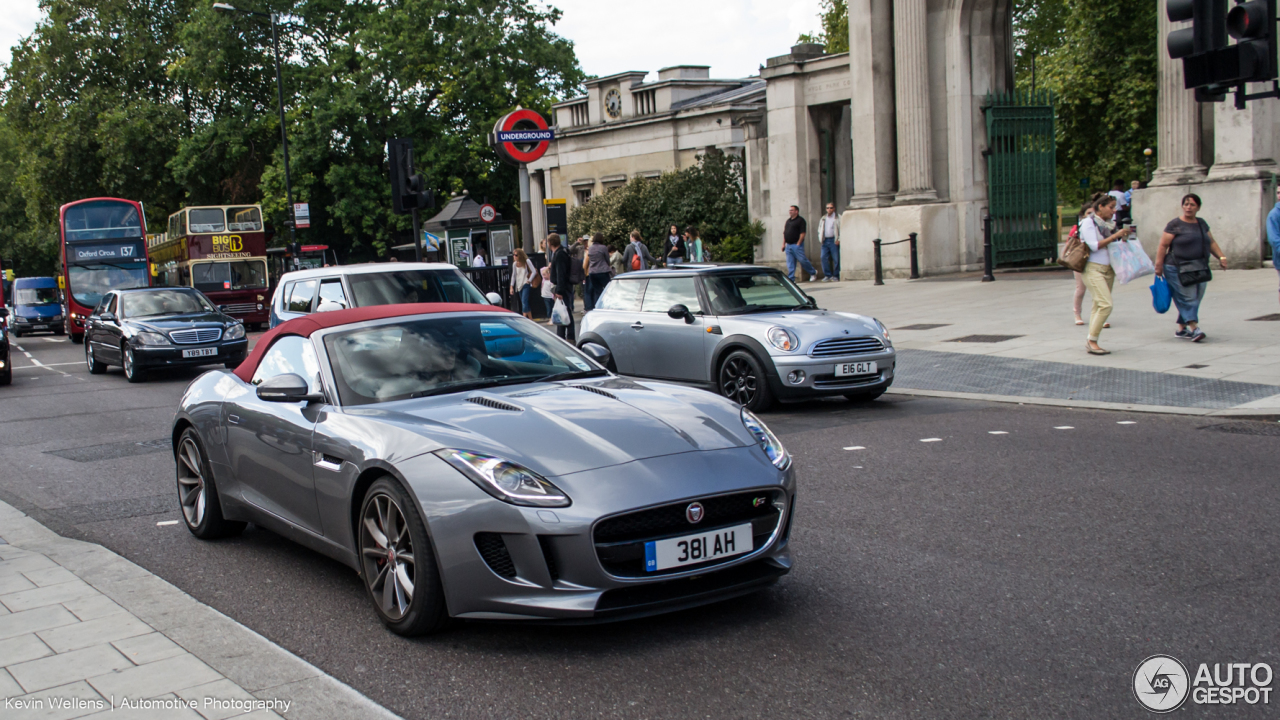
{"x":636,"y":262}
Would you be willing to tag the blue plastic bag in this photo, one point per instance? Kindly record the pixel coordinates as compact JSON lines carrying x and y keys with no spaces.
{"x":1160,"y":297}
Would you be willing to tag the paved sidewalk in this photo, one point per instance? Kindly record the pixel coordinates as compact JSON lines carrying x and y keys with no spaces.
{"x":1038,"y":351}
{"x":86,"y":633}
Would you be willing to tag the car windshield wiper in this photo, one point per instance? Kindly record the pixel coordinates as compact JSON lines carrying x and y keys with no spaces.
{"x":571,"y":374}
{"x":745,"y":309}
{"x":473,"y":384}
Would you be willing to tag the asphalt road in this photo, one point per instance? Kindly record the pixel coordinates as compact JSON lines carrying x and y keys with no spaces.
{"x":1016,"y":575}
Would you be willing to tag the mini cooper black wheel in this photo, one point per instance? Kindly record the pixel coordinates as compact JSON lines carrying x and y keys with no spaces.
{"x":742,"y":380}
{"x":95,"y":367}
{"x":132,"y":372}
{"x":397,"y":562}
{"x":197,"y":495}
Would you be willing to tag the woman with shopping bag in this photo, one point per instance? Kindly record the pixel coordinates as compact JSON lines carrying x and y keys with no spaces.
{"x":1183,"y":261}
{"x":1098,"y":233}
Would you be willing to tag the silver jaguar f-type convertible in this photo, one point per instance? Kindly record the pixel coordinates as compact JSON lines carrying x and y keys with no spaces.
{"x":469,"y":464}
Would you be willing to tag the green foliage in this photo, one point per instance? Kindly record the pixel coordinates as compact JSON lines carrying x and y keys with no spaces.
{"x":709,"y":195}
{"x":172,"y":103}
{"x":835,"y":27}
{"x":1099,"y":59}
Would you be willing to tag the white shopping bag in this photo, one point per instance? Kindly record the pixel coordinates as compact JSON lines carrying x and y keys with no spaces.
{"x":560,"y":313}
{"x":1130,"y":261}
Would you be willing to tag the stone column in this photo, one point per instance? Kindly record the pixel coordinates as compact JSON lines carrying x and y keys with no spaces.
{"x":871,"y":71}
{"x":911,"y":82}
{"x":537,"y":194}
{"x":1177,"y":119}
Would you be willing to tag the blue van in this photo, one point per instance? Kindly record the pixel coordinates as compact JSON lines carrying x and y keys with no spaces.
{"x":37,"y":306}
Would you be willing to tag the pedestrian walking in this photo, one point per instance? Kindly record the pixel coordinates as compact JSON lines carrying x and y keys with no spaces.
{"x":693,"y":245}
{"x":1183,"y":260}
{"x":562,"y":280}
{"x":1086,"y":211}
{"x":1098,"y":232}
{"x":830,"y":231}
{"x":524,"y":280}
{"x":673,"y":249}
{"x":616,"y":264}
{"x":598,"y":275}
{"x":793,"y":233}
{"x":1273,"y":231}
{"x":1122,"y":204}
{"x":637,"y":256}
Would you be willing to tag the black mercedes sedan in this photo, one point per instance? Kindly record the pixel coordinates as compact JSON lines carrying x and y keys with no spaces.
{"x":150,"y":328}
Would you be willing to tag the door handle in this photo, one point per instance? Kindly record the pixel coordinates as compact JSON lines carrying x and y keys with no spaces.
{"x":233,"y":419}
{"x":637,"y":325}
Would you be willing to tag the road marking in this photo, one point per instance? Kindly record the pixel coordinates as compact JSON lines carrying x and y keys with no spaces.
{"x":855,"y":447}
{"x":34,"y":361}
{"x":54,"y":339}
{"x":931,"y":440}
{"x":1127,"y":422}
{"x":163,"y":523}
{"x":1064,"y":427}
{"x":997,"y":432}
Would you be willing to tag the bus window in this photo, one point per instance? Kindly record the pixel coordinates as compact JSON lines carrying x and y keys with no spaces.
{"x":207,"y":220}
{"x":244,"y":219}
{"x":231,"y":275}
{"x":102,"y":220}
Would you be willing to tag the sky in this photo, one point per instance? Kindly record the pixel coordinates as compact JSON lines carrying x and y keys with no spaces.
{"x":734,"y":37}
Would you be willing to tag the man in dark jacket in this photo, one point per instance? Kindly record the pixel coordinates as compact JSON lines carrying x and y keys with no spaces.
{"x":562,"y":282}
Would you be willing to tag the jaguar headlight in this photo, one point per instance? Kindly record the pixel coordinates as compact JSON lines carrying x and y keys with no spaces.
{"x":150,"y":338}
{"x":234,"y":332}
{"x":783,"y":339}
{"x":768,"y":442}
{"x":506,"y":480}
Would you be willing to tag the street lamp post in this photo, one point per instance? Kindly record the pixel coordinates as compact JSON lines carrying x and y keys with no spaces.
{"x":1147,"y":159}
{"x":284,"y":137}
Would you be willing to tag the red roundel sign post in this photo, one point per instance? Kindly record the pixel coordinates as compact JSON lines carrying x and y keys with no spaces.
{"x":519,"y":138}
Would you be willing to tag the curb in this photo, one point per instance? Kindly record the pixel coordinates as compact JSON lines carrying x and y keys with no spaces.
{"x":244,"y":657}
{"x":1246,"y":413}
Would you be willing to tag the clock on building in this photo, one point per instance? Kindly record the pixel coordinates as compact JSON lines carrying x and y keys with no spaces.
{"x":613,"y":103}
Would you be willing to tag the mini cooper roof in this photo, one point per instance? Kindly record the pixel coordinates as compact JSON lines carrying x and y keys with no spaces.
{"x":308,"y":324}
{"x":363,"y":268}
{"x":697,"y":269}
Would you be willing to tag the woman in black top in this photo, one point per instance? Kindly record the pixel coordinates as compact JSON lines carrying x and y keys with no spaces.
{"x":673,"y":248}
{"x":1187,"y":242}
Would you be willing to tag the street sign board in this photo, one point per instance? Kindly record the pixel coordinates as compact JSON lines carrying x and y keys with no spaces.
{"x":521,"y":137}
{"x":301,"y":215}
{"x":488,"y":213}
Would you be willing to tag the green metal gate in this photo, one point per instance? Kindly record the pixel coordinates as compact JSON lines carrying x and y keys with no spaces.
{"x":1021,"y":176}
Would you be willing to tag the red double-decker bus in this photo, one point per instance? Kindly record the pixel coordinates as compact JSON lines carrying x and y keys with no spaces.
{"x":221,"y":251}
{"x":103,"y":248}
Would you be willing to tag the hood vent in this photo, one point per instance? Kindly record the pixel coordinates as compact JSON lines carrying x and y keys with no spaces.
{"x":495,"y":404}
{"x":596,"y":390}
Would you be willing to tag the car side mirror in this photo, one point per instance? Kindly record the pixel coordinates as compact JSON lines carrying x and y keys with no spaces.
{"x":597,"y":352}
{"x":222,"y":308}
{"x":493,"y":298}
{"x":676,"y":312}
{"x":107,"y":317}
{"x":288,"y":387}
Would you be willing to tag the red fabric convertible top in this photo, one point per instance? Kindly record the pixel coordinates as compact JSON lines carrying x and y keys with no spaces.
{"x":304,"y":326}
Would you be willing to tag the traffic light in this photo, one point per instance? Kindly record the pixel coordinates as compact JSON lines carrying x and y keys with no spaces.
{"x":1209,"y":63}
{"x":408,"y":191}
{"x":1253,"y":25}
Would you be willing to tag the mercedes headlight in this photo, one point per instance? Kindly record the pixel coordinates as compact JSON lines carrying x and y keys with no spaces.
{"x":768,"y":442}
{"x":506,"y":480}
{"x":235,"y":332}
{"x":783,"y":339}
{"x":150,"y":338}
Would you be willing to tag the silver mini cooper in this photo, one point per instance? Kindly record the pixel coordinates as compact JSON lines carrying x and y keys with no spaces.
{"x":746,"y":331}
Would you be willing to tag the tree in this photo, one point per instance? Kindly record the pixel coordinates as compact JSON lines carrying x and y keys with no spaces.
{"x":835,"y":27}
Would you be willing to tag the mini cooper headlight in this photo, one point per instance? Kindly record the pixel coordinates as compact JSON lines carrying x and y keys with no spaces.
{"x":883,"y":331}
{"x":783,"y":339}
{"x":150,"y":338}
{"x":769,"y":442}
{"x":506,"y":480}
{"x":234,"y":332}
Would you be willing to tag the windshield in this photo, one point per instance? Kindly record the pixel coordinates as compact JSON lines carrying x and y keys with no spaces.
{"x":163,"y":302}
{"x":35,"y":296}
{"x":420,"y":357}
{"x":90,"y":282}
{"x":413,"y":286}
{"x":738,"y":293}
{"x":231,"y":275}
{"x":102,"y":220}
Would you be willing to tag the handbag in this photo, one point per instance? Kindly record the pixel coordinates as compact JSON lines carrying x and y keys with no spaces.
{"x":535,"y":278}
{"x":1194,"y":272}
{"x":1160,"y":296}
{"x":560,"y":313}
{"x":1075,"y":255}
{"x":1130,"y":261}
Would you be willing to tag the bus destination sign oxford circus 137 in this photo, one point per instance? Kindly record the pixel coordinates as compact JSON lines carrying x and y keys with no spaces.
{"x":521,"y":137}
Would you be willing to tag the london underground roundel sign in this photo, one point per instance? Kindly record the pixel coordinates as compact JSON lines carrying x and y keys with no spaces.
{"x":521,"y":136}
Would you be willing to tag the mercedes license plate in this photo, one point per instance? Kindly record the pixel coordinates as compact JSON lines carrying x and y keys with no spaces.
{"x":200,"y":352}
{"x":855,"y":368}
{"x":39,"y":327}
{"x":695,"y":549}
